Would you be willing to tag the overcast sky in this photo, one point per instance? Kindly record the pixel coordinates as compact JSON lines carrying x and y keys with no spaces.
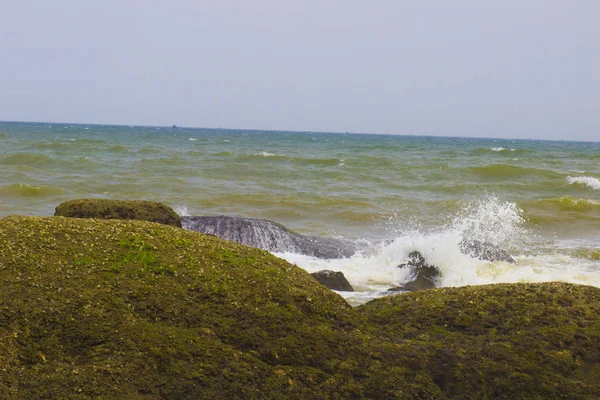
{"x":503,"y":68}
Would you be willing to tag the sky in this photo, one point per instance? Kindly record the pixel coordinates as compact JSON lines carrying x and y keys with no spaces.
{"x":476,"y":68}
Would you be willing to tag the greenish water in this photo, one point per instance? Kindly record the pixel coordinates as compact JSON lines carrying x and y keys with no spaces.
{"x":539,"y":199}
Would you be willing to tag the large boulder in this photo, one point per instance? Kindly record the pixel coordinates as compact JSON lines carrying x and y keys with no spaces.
{"x":505,"y":341}
{"x":111,"y":309}
{"x":119,"y":209}
{"x":268,"y":235}
{"x":333,"y":280}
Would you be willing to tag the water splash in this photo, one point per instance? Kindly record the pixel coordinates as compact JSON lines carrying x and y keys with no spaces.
{"x":490,"y":220}
{"x":487,"y":219}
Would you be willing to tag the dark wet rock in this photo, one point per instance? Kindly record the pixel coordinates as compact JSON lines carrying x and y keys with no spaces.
{"x":484,"y":251}
{"x":334,"y":280}
{"x":423,"y":275}
{"x":119,"y":209}
{"x":268,"y":235}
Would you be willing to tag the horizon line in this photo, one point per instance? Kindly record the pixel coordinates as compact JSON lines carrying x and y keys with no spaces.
{"x":175,"y":126}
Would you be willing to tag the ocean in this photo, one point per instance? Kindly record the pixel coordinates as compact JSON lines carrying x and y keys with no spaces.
{"x":392,"y":194}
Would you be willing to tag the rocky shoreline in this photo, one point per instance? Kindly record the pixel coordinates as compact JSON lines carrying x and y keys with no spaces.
{"x":93,"y":308}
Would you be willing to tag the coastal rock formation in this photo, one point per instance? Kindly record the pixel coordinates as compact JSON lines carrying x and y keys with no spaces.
{"x":527,"y":341}
{"x":268,"y":235}
{"x":484,"y":251}
{"x":423,"y":275}
{"x":94,"y":308}
{"x":333,"y":280}
{"x":119,"y":209}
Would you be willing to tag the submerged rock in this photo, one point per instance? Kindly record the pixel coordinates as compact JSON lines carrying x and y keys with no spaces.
{"x":423,"y":276}
{"x":119,"y":209}
{"x":333,"y":280}
{"x":268,"y":235}
{"x":484,"y":251}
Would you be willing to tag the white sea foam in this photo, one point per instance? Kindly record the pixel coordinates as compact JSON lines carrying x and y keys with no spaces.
{"x":371,"y":273}
{"x":265,"y":154}
{"x":182,"y":211}
{"x":498,"y":149}
{"x":192,"y":139}
{"x":591,"y":182}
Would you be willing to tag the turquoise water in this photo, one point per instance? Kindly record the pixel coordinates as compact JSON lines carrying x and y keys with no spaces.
{"x":538,"y":199}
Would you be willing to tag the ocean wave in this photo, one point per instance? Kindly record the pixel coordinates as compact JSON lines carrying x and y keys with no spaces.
{"x":374,"y":270}
{"x":500,"y":150}
{"x":118,"y":149}
{"x":28,"y":159}
{"x":266,"y":154}
{"x":591,"y":182}
{"x":508,"y":171}
{"x":24,"y":189}
{"x":565,"y":203}
{"x":49,"y":145}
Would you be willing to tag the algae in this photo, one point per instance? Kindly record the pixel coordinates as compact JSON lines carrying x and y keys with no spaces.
{"x":119,"y":209}
{"x":504,"y":341}
{"x":117,"y":309}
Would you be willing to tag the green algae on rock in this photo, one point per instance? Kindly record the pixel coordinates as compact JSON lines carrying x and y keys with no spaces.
{"x":133,"y":309}
{"x":119,"y":209}
{"x":504,"y":341}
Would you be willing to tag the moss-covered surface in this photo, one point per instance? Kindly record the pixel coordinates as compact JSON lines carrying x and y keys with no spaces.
{"x":131,"y":309}
{"x":505,"y":341}
{"x":119,"y":209}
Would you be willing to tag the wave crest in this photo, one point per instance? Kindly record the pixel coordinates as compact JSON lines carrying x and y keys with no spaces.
{"x":589,"y":181}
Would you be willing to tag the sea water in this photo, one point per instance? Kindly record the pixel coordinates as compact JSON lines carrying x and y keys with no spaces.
{"x":392,"y":194}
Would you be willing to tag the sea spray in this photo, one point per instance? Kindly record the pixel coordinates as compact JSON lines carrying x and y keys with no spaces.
{"x":487,"y":219}
{"x":423,"y":180}
{"x":182,"y":210}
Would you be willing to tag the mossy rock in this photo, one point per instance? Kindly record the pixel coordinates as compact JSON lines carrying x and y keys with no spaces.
{"x":505,"y":341}
{"x":119,"y":209}
{"x":132,"y":309}
{"x":117,"y":309}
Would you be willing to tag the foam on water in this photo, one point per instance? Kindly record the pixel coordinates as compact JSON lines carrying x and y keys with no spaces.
{"x":591,"y":182}
{"x":374,"y":271}
{"x":181,"y":210}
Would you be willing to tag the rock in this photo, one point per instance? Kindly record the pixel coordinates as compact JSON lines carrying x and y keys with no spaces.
{"x":423,"y":275}
{"x":502,"y":341}
{"x":333,"y":280}
{"x":114,"y":309}
{"x":268,"y":235}
{"x":119,"y":209}
{"x":484,"y":251}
